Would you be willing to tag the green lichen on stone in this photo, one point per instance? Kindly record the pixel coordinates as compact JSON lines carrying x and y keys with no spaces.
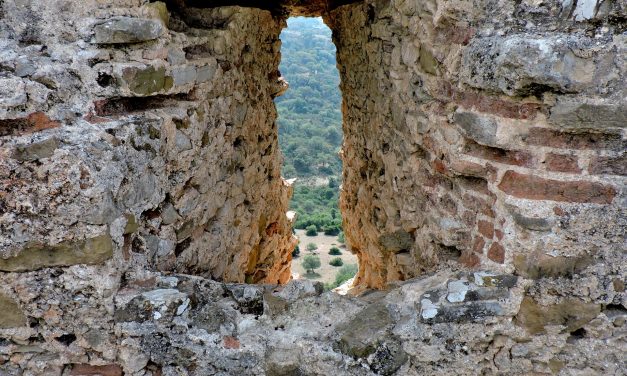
{"x":398,"y":241}
{"x":38,"y":256}
{"x":162,"y":10}
{"x":146,"y":81}
{"x":544,"y":266}
{"x":36,"y":150}
{"x":359,"y":336}
{"x":571,"y":313}
{"x":131,"y":224}
{"x":11,"y":316}
{"x":428,"y":63}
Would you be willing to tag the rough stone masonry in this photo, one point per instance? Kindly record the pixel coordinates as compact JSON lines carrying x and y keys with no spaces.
{"x":143,"y":226}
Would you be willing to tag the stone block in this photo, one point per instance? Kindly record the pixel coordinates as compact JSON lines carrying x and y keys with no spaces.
{"x":538,"y":265}
{"x":578,"y":114}
{"x":36,"y":150}
{"x":11,"y":316}
{"x":145,"y":80}
{"x":571,"y":313}
{"x":120,"y":30}
{"x":12,"y":92}
{"x":562,"y":163}
{"x":160,"y":304}
{"x":37,"y":256}
{"x":184,"y":75}
{"x":358,"y":336}
{"x":480,"y":128}
{"x":525,"y":64}
{"x":616,"y":165}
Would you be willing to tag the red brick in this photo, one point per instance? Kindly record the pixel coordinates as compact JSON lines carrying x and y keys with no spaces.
{"x":35,"y":122}
{"x":486,"y":229}
{"x":478,"y":245}
{"x":561,"y":163}
{"x":230,"y":342}
{"x":439,"y":166}
{"x":489,"y":104}
{"x":496,"y":253}
{"x":511,"y":157}
{"x":498,"y":234}
{"x":571,"y":140}
{"x":537,"y":188}
{"x":89,"y":370}
{"x":469,"y":259}
{"x":609,"y":165}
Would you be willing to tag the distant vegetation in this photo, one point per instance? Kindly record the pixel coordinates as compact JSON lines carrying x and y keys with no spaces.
{"x":336,"y":262}
{"x":310,"y":124}
{"x":335,"y":251}
{"x":310,"y":119}
{"x":311,"y":262}
{"x":345,"y":273}
{"x":317,"y":209}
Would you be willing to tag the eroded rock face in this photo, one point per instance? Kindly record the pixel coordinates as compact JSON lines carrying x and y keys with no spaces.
{"x":162,"y":145}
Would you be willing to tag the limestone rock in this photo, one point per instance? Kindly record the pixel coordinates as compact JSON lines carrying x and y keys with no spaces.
{"x":127,"y":30}
{"x":36,"y":256}
{"x":11,"y":315}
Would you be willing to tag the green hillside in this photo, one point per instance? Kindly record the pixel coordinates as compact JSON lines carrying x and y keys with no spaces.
{"x":310,"y":120}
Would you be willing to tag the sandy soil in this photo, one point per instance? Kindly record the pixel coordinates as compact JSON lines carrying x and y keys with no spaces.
{"x":326,"y":273}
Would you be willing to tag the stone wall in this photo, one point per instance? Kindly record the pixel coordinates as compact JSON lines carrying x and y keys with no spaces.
{"x":143,"y":138}
{"x":490,"y":138}
{"x":484,"y":164}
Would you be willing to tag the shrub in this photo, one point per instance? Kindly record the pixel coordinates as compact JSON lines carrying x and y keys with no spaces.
{"x":336,"y":262}
{"x":296,"y":251}
{"x":335,"y":251}
{"x":311,"y":262}
{"x":331,"y":230}
{"x":312,"y":247}
{"x":345,"y":273}
{"x":340,"y":238}
{"x":312,"y":230}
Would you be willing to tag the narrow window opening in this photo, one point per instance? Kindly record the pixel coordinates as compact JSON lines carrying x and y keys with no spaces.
{"x":310,"y":137}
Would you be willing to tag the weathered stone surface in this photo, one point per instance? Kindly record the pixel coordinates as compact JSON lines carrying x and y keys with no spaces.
{"x":127,"y":30}
{"x":359,"y":336}
{"x":479,"y":128}
{"x":572,"y":314}
{"x":442,"y":101}
{"x":528,"y":64}
{"x":11,"y":316}
{"x":146,"y":81}
{"x":538,"y":265}
{"x":36,"y":256}
{"x":36,"y":150}
{"x":570,"y":113}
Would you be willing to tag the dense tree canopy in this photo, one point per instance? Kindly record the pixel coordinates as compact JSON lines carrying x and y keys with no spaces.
{"x":310,"y":120}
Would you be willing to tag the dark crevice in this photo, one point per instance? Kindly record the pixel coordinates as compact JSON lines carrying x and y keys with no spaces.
{"x":122,"y":106}
{"x":66,"y":339}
